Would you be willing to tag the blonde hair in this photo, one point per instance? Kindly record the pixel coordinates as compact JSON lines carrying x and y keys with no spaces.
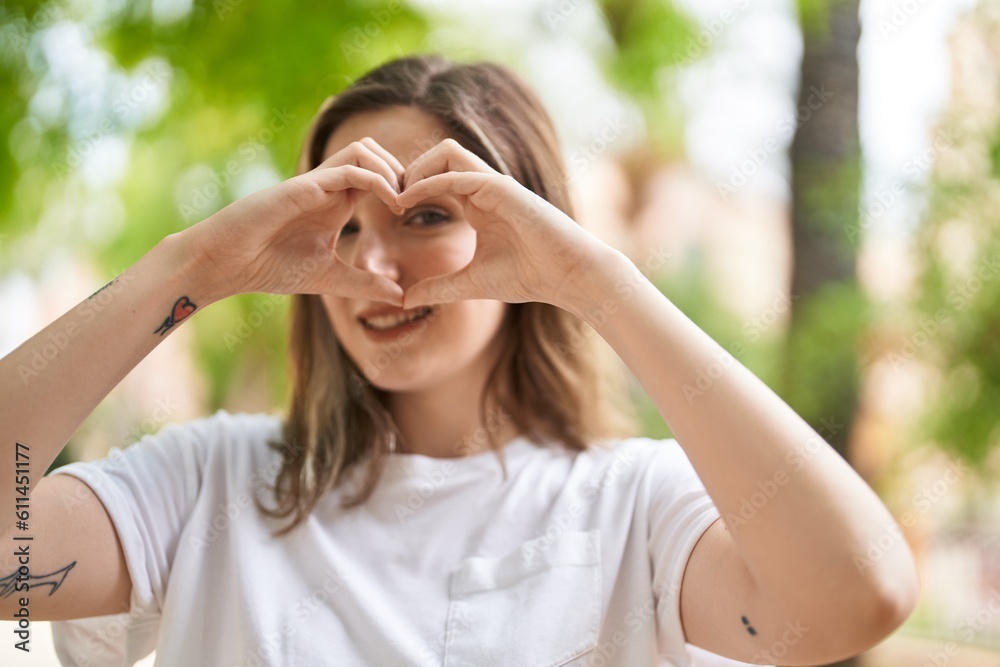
{"x":555,"y":377}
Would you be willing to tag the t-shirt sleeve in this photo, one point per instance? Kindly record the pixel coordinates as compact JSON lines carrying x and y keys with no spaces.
{"x":679,"y":511}
{"x":149,"y":489}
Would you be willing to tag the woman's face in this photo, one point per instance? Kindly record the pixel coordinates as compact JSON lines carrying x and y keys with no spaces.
{"x":431,"y":238}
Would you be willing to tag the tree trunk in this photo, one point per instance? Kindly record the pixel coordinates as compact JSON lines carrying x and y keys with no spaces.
{"x":820,"y":379}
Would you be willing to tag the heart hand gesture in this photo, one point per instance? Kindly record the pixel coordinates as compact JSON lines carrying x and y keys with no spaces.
{"x":281,"y":240}
{"x":526,"y":248}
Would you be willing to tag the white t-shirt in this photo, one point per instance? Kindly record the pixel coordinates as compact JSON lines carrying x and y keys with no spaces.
{"x":575,"y":559}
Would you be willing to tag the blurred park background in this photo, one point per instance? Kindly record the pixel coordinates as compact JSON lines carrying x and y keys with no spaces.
{"x":811,"y":181}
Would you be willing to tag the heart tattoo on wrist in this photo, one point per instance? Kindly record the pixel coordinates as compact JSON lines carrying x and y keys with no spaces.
{"x":182,"y":308}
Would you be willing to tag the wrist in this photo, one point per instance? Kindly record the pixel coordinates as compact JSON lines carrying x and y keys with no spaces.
{"x":595,"y":291}
{"x":178,"y":253}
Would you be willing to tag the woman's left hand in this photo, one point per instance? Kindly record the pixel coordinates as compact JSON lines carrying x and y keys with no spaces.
{"x":526,"y":248}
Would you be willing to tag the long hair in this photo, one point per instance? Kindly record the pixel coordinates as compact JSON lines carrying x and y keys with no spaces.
{"x":555,"y":378}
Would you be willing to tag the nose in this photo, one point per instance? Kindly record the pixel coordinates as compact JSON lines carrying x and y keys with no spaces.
{"x":369,"y":249}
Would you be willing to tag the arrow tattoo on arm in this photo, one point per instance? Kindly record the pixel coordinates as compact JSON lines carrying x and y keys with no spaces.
{"x":53,"y":579}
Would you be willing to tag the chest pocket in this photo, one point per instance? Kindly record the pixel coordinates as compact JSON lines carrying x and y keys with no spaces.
{"x":538,"y":605}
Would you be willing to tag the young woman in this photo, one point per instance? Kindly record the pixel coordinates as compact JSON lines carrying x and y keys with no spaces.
{"x":454,"y":482}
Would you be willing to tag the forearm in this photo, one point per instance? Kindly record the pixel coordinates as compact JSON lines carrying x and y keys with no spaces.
{"x":810,"y":514}
{"x":55,"y":379}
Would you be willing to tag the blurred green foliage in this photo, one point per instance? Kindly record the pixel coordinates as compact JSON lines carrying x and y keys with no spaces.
{"x":950,"y":328}
{"x":653,"y":38}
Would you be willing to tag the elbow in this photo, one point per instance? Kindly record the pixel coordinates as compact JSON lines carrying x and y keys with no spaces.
{"x":887,"y":597}
{"x":895,"y":597}
{"x":895,"y":584}
{"x":857,"y":617}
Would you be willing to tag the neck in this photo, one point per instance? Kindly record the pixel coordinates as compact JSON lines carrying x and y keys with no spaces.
{"x":444,"y":421}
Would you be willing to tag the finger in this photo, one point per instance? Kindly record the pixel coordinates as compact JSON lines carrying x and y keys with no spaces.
{"x":447,"y":155}
{"x":357,"y":284}
{"x":368,"y":154}
{"x":368,"y":158}
{"x":394,"y":164}
{"x":439,"y":289}
{"x":359,"y":152}
{"x":335,"y":179}
{"x":451,"y":182}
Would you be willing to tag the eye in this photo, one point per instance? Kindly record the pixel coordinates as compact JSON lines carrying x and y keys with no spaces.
{"x":434,"y":215}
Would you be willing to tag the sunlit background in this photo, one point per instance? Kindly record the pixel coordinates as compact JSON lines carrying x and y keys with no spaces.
{"x":821,"y":179}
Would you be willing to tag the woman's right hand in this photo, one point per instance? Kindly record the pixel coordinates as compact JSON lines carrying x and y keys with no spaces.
{"x":281,"y":240}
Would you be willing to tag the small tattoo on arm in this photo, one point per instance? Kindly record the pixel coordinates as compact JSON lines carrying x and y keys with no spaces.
{"x":15,"y":581}
{"x":182,"y":308}
{"x":749,"y":627}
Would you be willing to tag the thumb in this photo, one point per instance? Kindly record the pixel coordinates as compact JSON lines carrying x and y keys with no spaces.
{"x":355,"y":283}
{"x":438,"y":289}
{"x":383,"y":289}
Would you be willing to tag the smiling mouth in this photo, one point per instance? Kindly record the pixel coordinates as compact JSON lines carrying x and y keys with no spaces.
{"x":389,"y":322}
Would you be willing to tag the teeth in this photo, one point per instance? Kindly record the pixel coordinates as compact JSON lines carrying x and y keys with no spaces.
{"x":383,"y":322}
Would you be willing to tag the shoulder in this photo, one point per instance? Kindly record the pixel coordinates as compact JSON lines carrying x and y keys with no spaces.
{"x":645,"y":452}
{"x":232,"y":436}
{"x":223,"y":439}
{"x":632,"y":462}
{"x":240,"y":427}
{"x":220,"y":430}
{"x":219,"y":439}
{"x":231,"y":424}
{"x":660,"y":468}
